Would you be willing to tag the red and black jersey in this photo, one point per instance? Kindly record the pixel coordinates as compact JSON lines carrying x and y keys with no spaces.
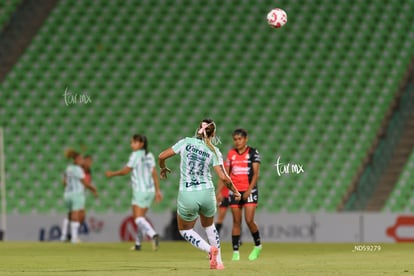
{"x":88,"y":175}
{"x":241,"y":166}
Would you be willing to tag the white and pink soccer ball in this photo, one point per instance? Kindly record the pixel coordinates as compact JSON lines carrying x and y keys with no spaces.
{"x":277,"y":18}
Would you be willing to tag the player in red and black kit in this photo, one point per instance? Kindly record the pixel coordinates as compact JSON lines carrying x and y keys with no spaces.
{"x":242,"y":164}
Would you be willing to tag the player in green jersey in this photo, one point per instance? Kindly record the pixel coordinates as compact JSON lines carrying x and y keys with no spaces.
{"x":196,"y":196}
{"x":75,"y":184}
{"x":145,"y":186}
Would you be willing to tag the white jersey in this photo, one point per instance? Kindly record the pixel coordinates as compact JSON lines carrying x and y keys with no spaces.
{"x":74,"y":174}
{"x":196,"y":160}
{"x":142,"y":166}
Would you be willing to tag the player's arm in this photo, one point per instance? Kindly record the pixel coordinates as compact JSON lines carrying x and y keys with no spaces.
{"x":253,"y":182}
{"x":226,"y":180}
{"x":64,"y":180}
{"x":158,"y":194}
{"x":161,"y":161}
{"x":89,"y":186}
{"x":123,"y":171}
{"x":220,"y":186}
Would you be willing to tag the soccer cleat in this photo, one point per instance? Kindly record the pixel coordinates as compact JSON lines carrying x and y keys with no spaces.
{"x":255,"y":253}
{"x":136,"y":247}
{"x":213,"y":257}
{"x":236,"y":256}
{"x":155,"y":242}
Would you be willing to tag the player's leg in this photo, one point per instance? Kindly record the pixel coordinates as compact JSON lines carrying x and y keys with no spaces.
{"x":208,"y":209}
{"x":78,"y":203}
{"x":187,"y":213}
{"x":74,"y":226}
{"x":65,"y":227}
{"x":221,"y":214}
{"x":141,"y":201}
{"x":213,"y":238}
{"x":249,"y":212}
{"x":144,"y":226}
{"x":236,"y":212}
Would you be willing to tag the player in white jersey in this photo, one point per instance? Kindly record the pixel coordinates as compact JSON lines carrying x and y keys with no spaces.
{"x":145,"y":186}
{"x":75,"y":184}
{"x":196,"y":196}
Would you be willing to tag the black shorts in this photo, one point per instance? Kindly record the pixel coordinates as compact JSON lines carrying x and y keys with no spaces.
{"x":224,"y":203}
{"x":253,"y":199}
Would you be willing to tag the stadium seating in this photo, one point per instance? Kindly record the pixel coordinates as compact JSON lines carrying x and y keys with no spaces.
{"x":401,"y":198}
{"x":7,"y":7}
{"x":312,"y":93}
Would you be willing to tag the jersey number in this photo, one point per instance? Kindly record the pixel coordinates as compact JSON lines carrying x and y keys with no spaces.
{"x":196,"y":168}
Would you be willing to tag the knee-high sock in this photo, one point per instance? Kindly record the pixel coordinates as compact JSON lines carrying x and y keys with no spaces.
{"x":74,"y":227}
{"x":194,"y":238}
{"x":214,"y":239}
{"x":65,"y":226}
{"x":145,"y":227}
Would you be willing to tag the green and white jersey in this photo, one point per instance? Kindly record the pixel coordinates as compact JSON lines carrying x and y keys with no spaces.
{"x":196,"y":160}
{"x":142,"y":165}
{"x":74,"y":174}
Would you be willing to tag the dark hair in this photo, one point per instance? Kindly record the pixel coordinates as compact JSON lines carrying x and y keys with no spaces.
{"x":240,"y":131}
{"x":143,"y":139}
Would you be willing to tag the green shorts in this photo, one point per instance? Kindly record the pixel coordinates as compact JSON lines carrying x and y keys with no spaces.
{"x":191,"y":204}
{"x":74,"y":201}
{"x":143,"y":199}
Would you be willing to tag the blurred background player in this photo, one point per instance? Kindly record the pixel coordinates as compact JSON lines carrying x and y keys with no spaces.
{"x":86,"y":166}
{"x":242,"y":164}
{"x":145,"y":187}
{"x":75,"y":183}
{"x":196,"y":196}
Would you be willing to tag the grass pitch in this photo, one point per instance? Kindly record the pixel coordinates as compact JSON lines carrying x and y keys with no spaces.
{"x":180,"y":258}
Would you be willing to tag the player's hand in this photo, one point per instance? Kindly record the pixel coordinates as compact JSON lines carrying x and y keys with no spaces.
{"x":163,"y":173}
{"x":246,"y":194}
{"x":108,"y":174}
{"x":158,"y":196}
{"x":237,"y":196}
{"x":95,"y":194}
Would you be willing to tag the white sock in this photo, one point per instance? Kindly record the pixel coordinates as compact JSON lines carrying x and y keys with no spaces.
{"x":194,"y":238}
{"x":65,"y":225}
{"x":138,"y":238}
{"x":145,"y":227}
{"x":214,"y":239}
{"x":74,"y":227}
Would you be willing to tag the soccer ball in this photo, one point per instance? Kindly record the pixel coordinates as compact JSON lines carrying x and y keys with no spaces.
{"x":276,"y":18}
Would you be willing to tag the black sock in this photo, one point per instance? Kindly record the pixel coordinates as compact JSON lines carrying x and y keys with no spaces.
{"x":236,"y":242}
{"x":218,"y":227}
{"x":256,"y":238}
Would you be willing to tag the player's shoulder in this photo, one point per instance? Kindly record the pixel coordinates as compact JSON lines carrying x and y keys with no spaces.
{"x":254,"y":154}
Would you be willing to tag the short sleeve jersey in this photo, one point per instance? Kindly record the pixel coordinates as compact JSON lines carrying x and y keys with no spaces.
{"x":74,"y":174}
{"x":142,"y":165}
{"x":241,"y":166}
{"x":195,"y":163}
